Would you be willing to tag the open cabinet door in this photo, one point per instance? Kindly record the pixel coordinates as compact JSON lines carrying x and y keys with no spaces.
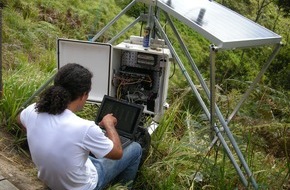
{"x":94,"y":56}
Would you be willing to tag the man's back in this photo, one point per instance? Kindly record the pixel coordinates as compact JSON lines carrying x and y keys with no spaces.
{"x":59,"y":146}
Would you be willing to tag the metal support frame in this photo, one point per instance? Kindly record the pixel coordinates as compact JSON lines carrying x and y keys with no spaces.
{"x":214,"y":114}
{"x":256,"y":80}
{"x":214,"y":111}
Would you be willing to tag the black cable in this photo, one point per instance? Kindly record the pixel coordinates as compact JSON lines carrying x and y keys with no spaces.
{"x":174,"y":69}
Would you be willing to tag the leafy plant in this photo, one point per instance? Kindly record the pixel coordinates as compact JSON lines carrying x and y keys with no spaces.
{"x":17,"y":91}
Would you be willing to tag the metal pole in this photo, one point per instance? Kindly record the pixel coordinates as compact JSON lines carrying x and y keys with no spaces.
{"x":1,"y":82}
{"x":191,"y":61}
{"x":185,"y":73}
{"x":124,"y":30}
{"x":257,"y":79}
{"x":38,"y":91}
{"x":213,"y":51}
{"x":113,"y":21}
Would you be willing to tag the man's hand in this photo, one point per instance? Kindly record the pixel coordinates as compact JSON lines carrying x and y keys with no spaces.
{"x":108,"y":121}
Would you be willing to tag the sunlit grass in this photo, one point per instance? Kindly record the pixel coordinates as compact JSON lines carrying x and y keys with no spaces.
{"x":18,"y":86}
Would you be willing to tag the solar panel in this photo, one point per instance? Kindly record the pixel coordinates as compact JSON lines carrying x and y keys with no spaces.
{"x":221,"y":26}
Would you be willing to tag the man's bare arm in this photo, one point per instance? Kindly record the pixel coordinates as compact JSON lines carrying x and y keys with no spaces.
{"x":109,"y":122}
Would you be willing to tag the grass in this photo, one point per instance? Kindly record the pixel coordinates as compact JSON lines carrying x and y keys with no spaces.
{"x":180,"y":151}
{"x":17,"y":90}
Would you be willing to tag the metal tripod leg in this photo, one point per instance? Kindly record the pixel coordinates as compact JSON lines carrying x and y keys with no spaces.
{"x":38,"y":91}
{"x":256,"y":80}
{"x":214,"y":110}
{"x":225,"y":125}
{"x":113,"y":21}
{"x":218,"y":133}
{"x":124,"y":30}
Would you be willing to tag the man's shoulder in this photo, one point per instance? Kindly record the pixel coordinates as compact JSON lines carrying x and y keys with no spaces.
{"x":77,"y":120}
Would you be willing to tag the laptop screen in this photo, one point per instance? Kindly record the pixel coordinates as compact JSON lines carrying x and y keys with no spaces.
{"x":127,"y":114}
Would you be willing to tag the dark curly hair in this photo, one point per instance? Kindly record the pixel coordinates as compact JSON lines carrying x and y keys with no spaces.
{"x":70,"y":83}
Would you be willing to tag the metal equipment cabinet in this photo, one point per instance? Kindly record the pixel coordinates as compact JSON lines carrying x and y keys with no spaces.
{"x":126,"y":71}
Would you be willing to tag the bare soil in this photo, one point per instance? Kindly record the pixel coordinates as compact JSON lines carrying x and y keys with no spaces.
{"x":16,"y":166}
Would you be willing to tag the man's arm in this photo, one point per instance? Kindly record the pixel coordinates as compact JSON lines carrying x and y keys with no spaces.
{"x":109,"y":122}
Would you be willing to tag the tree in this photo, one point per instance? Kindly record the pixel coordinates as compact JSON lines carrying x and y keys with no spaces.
{"x":285,"y":5}
{"x":262,"y":4}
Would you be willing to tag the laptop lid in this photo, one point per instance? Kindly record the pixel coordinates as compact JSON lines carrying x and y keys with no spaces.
{"x":128,"y":115}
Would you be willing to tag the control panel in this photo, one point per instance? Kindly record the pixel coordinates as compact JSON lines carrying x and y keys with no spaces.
{"x":141,"y":76}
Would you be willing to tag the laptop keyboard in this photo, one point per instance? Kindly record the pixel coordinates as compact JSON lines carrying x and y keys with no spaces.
{"x":123,"y":139}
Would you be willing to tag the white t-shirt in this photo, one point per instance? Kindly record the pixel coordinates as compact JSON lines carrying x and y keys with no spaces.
{"x":60,"y":145}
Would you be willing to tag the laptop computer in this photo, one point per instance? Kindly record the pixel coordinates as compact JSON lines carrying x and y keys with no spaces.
{"x":128,"y":116}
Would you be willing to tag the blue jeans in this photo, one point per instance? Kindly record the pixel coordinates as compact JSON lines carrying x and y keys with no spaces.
{"x":119,"y":171}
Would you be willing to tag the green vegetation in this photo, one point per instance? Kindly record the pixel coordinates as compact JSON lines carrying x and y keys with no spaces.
{"x":179,"y":157}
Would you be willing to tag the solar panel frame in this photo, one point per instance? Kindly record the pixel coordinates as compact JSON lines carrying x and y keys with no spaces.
{"x":223,"y":27}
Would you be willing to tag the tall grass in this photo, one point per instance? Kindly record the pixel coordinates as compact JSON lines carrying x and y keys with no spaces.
{"x":181,"y":158}
{"x":19,"y":85}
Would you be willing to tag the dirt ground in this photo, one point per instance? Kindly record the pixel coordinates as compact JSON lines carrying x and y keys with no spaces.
{"x":17,"y":167}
